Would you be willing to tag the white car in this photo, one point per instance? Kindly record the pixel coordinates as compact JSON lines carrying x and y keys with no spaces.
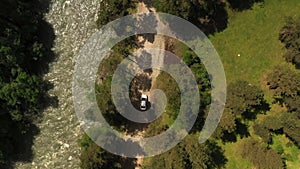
{"x":144,"y":99}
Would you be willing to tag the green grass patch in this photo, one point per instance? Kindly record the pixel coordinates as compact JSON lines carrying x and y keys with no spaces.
{"x":167,"y":84}
{"x":234,"y":160}
{"x":288,"y":151}
{"x":254,"y":35}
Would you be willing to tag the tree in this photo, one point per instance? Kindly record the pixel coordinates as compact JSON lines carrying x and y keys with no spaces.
{"x":113,"y":9}
{"x":284,"y":123}
{"x":290,"y":36}
{"x":103,"y":86}
{"x":209,"y":15}
{"x":24,"y":57}
{"x":206,"y":155}
{"x":21,"y":97}
{"x":293,"y":56}
{"x":189,"y":154}
{"x":244,"y":99}
{"x":200,"y":73}
{"x":227,"y":126}
{"x":228,"y":121}
{"x":268,"y":126}
{"x":263,"y":132}
{"x":94,"y":157}
{"x":293,"y":105}
{"x":291,"y":127}
{"x":285,"y":85}
{"x":284,"y":82}
{"x":242,"y":5}
{"x":260,"y":156}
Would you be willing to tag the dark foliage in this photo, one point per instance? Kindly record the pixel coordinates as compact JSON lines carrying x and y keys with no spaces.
{"x":227,"y":126}
{"x":240,"y":5}
{"x":189,"y":154}
{"x":291,"y":127}
{"x":209,"y":15}
{"x":285,"y":123}
{"x":245,"y":100}
{"x":94,"y":157}
{"x":266,"y":128}
{"x":260,"y":156}
{"x":285,"y":85}
{"x":290,"y":36}
{"x":114,"y":9}
{"x":25,"y":51}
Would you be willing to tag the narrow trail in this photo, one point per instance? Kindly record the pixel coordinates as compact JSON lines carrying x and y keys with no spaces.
{"x":57,"y":145}
{"x":159,"y":42}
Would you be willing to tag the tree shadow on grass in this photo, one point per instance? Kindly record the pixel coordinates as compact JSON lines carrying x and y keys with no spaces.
{"x":229,"y":137}
{"x":242,"y":129}
{"x":261,"y":109}
{"x":218,"y":21}
{"x":240,"y":5}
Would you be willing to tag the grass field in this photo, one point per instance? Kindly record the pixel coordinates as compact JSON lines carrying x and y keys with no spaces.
{"x":253,"y":34}
{"x":234,"y":160}
{"x":289,"y":151}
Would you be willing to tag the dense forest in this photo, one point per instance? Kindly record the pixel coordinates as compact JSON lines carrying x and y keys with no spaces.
{"x":24,"y":57}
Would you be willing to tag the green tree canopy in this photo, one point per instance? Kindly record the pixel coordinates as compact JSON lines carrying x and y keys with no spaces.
{"x":21,"y":97}
{"x":94,"y":157}
{"x":291,"y":127}
{"x":227,"y":125}
{"x":266,"y":128}
{"x":290,"y":36}
{"x":243,"y":102}
{"x":284,"y":82}
{"x":284,"y":123}
{"x":114,"y":9}
{"x":209,"y":15}
{"x":189,"y":154}
{"x":243,"y":98}
{"x":24,"y":57}
{"x":285,"y":85}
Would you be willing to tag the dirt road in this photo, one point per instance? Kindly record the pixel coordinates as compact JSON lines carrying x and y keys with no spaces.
{"x":159,"y":42}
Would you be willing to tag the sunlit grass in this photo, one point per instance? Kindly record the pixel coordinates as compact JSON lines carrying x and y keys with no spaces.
{"x":234,"y":160}
{"x":289,"y":151}
{"x":253,"y":34}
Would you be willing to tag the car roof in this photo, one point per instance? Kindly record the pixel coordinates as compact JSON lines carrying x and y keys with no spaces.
{"x":143,"y":103}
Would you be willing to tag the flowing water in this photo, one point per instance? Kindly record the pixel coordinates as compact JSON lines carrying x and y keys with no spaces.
{"x":57,"y":144}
